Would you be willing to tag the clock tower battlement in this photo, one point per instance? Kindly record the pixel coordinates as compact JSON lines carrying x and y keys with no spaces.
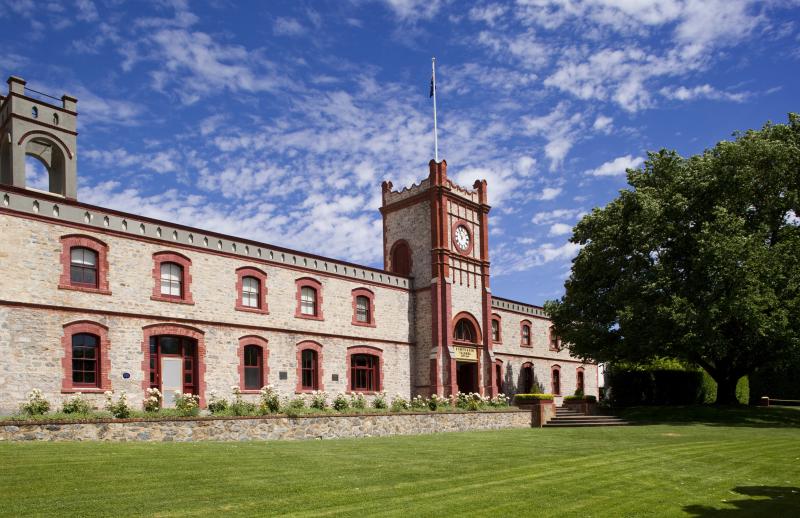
{"x":437,"y":232}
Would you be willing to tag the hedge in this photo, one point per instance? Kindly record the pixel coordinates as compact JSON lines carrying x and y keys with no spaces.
{"x":522,"y":399}
{"x":590,"y":399}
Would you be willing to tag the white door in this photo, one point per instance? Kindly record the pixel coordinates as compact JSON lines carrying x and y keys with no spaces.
{"x":171,"y":372}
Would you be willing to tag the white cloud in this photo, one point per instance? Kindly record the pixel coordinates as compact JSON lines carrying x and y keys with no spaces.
{"x":559,"y":229}
{"x":413,"y":10}
{"x":87,"y":11}
{"x":552,"y":216}
{"x":510,"y":259}
{"x":705,"y":91}
{"x":559,"y":129}
{"x":287,"y":27}
{"x":616,"y":167}
{"x":549,"y":193}
{"x":488,"y":14}
{"x":603,"y":124}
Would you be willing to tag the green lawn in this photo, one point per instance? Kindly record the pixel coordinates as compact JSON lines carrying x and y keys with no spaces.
{"x":707,"y":463}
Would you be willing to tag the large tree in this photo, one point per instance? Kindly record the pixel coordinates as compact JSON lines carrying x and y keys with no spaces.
{"x":699,"y":259}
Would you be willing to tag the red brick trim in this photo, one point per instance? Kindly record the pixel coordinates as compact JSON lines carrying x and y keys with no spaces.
{"x":104,"y":363}
{"x":478,"y":336}
{"x":317,"y":347}
{"x":310,"y":283}
{"x":175,"y":330}
{"x":68,"y":242}
{"x":186,"y":282}
{"x":582,"y":372}
{"x":364,"y":292}
{"x":553,"y":369}
{"x":391,"y":267}
{"x":259,"y":342}
{"x":522,"y":324}
{"x":250,"y":271}
{"x":458,"y":222}
{"x":499,"y":319}
{"x":364,"y":349}
{"x":552,"y":339}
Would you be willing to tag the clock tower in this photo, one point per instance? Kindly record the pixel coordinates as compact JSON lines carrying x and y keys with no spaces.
{"x":437,"y":233}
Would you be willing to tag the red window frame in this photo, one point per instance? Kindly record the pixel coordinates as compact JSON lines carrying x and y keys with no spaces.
{"x":555,"y":379}
{"x":527,"y":377}
{"x":185,"y":263}
{"x":308,"y":282}
{"x":371,"y":372}
{"x":499,"y":338}
{"x":151,"y":361}
{"x":401,"y":259}
{"x":525,"y":340}
{"x":466,"y":318}
{"x":261,"y":277}
{"x":316,"y":369}
{"x":261,"y":343}
{"x":68,"y":242}
{"x":370,"y":297}
{"x":498,"y":372}
{"x":580,"y":380}
{"x":103,"y":363}
{"x":553,"y":340}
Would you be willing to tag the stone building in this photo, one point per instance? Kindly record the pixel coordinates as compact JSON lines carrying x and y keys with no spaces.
{"x":95,"y":299}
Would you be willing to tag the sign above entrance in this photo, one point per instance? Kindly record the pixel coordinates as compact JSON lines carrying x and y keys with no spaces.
{"x":465,"y":354}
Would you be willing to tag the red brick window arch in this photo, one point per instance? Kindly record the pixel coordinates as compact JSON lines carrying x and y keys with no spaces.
{"x":466,"y":329}
{"x":253,"y":363}
{"x":251,"y":290}
{"x":172,"y":278}
{"x":309,"y":367}
{"x":365,"y":369}
{"x":84,"y":264}
{"x":400,"y":254}
{"x":86,"y":362}
{"x":525,"y":333}
{"x":526,"y":378}
{"x":555,"y":376}
{"x":309,"y":299}
{"x":497,"y":329}
{"x":554,"y":340}
{"x":363,"y":307}
{"x":580,"y":385}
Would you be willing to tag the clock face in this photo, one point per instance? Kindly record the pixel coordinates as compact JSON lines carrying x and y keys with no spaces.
{"x":461,"y":238}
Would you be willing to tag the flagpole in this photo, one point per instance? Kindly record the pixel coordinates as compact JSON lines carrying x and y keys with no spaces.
{"x":435,"y":129}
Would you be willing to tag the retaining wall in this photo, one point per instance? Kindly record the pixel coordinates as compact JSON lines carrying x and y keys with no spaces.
{"x":264,"y":428}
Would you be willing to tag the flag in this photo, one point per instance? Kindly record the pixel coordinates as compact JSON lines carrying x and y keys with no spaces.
{"x":432,"y":87}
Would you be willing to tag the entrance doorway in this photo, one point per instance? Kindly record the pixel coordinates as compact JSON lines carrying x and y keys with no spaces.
{"x":467,"y":377}
{"x":173,"y":363}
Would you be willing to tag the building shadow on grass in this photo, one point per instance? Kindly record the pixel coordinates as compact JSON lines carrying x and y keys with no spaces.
{"x":748,"y":416}
{"x":763,"y":501}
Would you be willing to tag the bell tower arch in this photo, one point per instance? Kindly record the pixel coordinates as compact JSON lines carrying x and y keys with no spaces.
{"x":30,"y":127}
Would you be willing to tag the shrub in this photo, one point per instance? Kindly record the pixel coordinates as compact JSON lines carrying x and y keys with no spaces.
{"x":419,"y":403}
{"x":187,"y":404}
{"x":526,"y":399}
{"x":76,"y":404}
{"x":119,"y":409}
{"x":319,"y":400}
{"x":379,"y":401}
{"x":399,"y":403}
{"x":340,"y":403}
{"x":152,"y":400}
{"x":743,"y":390}
{"x":358,"y":401}
{"x":269,"y":400}
{"x":36,"y":405}
{"x":216,"y":405}
{"x":436,"y":402}
{"x":471,"y":401}
{"x":297,"y":403}
{"x":499,"y":401}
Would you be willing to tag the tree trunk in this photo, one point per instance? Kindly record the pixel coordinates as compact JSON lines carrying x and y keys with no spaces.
{"x":726,"y":390}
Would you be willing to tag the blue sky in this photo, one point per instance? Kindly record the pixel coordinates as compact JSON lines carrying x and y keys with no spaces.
{"x":278,"y":121}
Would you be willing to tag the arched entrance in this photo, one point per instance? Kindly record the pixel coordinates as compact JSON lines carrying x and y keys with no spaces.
{"x":466,"y":341}
{"x":174,"y":361}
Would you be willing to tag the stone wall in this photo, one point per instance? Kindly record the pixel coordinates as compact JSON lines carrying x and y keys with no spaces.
{"x":266,"y":428}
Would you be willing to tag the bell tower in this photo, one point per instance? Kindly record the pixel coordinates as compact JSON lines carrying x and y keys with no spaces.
{"x":437,"y":232}
{"x":42,"y":130}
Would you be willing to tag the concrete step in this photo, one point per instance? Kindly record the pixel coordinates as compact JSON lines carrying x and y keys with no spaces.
{"x":585,"y":420}
{"x":583,"y":425}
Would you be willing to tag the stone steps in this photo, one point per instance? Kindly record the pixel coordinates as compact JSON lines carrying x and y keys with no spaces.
{"x":566,"y":417}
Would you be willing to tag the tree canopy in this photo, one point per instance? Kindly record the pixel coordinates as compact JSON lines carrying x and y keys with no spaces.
{"x":699,"y":259}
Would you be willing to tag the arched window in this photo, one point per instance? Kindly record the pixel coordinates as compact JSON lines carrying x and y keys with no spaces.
{"x":525,"y":334}
{"x":401,"y":258}
{"x":465,"y":331}
{"x":556,"y":375}
{"x":309,"y":369}
{"x":526,"y":378}
{"x":362,"y":309}
{"x":364,"y":373}
{"x":171,"y":280}
{"x":554,"y":341}
{"x":83,"y":267}
{"x":251,"y":292}
{"x":253,"y":367}
{"x":308,"y":301}
{"x":498,"y":367}
{"x":579,"y":386}
{"x":85,"y":360}
{"x":497,"y":336}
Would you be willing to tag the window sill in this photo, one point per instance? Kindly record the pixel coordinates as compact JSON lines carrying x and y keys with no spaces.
{"x":247,"y":309}
{"x":84,"y":390}
{"x":173,"y":301}
{"x":526,"y":346}
{"x":363,"y":392}
{"x":308,"y":317}
{"x":306,"y":391}
{"x":363,"y":324}
{"x":249,"y":391}
{"x":84,"y":289}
